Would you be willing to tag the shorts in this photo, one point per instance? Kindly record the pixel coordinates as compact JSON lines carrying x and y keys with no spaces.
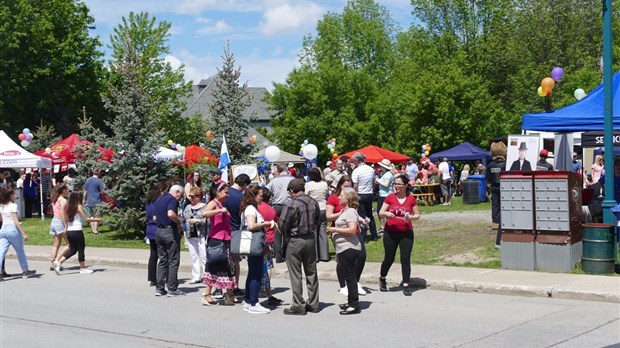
{"x":92,"y":211}
{"x":56,"y":227}
{"x":445,"y":187}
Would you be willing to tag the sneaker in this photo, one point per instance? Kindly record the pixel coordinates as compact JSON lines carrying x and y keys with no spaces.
{"x":57,"y":267}
{"x":407,"y":290}
{"x":246,"y":306}
{"x":86,"y":271}
{"x":238,"y":292}
{"x":445,"y":203}
{"x":159,"y":293}
{"x":258,"y":309}
{"x":383,"y":284}
{"x":218,"y":294}
{"x":29,"y":273}
{"x":344,"y":291}
{"x":173,"y":293}
{"x":152,"y":283}
{"x":380,"y":232}
{"x":360,"y":289}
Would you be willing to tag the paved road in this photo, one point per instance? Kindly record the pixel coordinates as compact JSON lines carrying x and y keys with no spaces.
{"x":114,"y":307}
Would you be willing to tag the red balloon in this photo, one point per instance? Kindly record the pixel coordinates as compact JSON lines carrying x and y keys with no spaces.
{"x":21,"y":136}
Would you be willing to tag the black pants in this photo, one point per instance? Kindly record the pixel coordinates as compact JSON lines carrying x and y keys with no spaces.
{"x":495,"y":204}
{"x":359,"y":264}
{"x":365,"y":211}
{"x":169,"y":254}
{"x":28,"y":205}
{"x":347,"y":262}
{"x":391,"y":241}
{"x":76,"y":245}
{"x":152,"y":268}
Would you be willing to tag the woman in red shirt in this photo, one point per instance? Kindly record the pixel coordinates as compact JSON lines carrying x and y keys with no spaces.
{"x":399,"y":209}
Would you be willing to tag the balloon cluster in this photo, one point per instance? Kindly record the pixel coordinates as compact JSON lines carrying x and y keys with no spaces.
{"x":331,"y":145}
{"x":26,"y":137}
{"x":176,"y":146}
{"x":426,"y":150}
{"x":252,"y":139}
{"x":547,"y":84}
{"x":301,"y":147}
{"x":209,"y":135}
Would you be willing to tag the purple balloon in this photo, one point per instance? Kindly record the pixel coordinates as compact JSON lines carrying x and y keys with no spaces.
{"x":557,"y":73}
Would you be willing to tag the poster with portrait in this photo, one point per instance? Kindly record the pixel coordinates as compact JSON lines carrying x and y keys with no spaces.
{"x":522,"y":152}
{"x":250,"y":169}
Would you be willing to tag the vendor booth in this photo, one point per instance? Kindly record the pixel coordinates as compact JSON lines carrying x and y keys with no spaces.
{"x":463,"y":152}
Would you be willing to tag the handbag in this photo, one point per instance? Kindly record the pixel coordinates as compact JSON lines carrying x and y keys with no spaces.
{"x":216,"y":251}
{"x":322,"y":241}
{"x":248,"y":243}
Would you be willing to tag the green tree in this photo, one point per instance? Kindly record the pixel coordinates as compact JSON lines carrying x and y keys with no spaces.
{"x":44,"y":136}
{"x":230,"y":100}
{"x":135,"y":139}
{"x":50,"y":67}
{"x":147,"y":39}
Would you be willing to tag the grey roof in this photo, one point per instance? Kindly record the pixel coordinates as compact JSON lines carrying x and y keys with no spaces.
{"x":201,"y":98}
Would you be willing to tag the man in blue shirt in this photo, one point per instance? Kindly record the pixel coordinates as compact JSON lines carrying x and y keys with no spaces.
{"x":233,"y":205}
{"x":168,"y":238}
{"x":93,"y":187}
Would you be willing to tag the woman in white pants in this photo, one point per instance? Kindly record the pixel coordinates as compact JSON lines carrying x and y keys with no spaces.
{"x":196,"y":229}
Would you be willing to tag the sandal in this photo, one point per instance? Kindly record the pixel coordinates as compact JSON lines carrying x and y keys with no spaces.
{"x":208,"y":300}
{"x":231,"y":300}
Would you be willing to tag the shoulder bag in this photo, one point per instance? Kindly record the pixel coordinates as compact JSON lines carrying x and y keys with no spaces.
{"x":216,"y":251}
{"x":245,"y":242}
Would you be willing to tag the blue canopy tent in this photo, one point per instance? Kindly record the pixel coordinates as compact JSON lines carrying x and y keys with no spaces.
{"x":463,"y":152}
{"x":586,"y":114}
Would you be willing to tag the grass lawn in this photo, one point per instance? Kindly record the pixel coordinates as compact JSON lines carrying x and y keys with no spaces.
{"x":39,"y":232}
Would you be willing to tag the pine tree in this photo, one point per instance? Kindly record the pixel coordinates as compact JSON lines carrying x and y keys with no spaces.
{"x":44,"y":136}
{"x":135,"y":140}
{"x":230,"y":100}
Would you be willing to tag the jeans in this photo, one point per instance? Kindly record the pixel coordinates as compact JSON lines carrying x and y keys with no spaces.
{"x":9,"y":235}
{"x":365,"y":211}
{"x":169,"y":253}
{"x":391,"y":241}
{"x":255,"y":276}
{"x":347,"y":261}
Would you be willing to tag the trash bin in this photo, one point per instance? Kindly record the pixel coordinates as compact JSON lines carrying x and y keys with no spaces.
{"x":598,"y":248}
{"x":470,"y":192}
{"x":482,"y":186}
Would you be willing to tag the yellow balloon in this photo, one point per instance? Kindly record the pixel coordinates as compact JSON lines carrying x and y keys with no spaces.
{"x":254,"y":137}
{"x":170,"y":142}
{"x":540,"y":92}
{"x":332,"y":150}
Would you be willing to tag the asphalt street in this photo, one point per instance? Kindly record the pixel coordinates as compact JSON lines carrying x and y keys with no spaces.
{"x":115,"y":307}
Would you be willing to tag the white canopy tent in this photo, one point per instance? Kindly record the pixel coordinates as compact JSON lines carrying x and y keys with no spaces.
{"x":14,"y":156}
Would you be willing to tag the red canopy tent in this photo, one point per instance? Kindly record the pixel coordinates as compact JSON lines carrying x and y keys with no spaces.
{"x":375,"y":154}
{"x":195,"y":154}
{"x":62,"y":152}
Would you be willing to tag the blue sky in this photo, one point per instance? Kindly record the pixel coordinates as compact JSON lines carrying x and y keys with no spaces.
{"x":265,"y":35}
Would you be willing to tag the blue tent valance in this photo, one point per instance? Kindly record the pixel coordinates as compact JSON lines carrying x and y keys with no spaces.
{"x":463,"y":152}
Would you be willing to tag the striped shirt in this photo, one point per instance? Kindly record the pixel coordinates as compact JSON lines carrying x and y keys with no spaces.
{"x":278,"y":187}
{"x":300,"y":217}
{"x":363,"y":177}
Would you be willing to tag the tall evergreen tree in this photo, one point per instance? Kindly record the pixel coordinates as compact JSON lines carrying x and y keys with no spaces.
{"x":230,"y":100}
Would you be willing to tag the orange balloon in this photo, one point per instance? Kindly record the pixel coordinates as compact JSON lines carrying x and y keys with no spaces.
{"x":547,"y":84}
{"x":335,"y":155}
{"x":334,"y":140}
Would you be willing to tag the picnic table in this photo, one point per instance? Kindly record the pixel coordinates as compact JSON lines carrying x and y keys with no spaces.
{"x":426,"y":192}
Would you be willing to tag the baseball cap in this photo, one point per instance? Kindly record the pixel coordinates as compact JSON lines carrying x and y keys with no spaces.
{"x":544,"y":153}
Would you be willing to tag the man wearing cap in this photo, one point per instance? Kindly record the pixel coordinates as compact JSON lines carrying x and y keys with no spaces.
{"x":363,"y":178}
{"x":446,"y":180}
{"x":299,"y":223}
{"x":291,"y":170}
{"x":521,"y":163}
{"x":542,"y":163}
{"x":216,"y":180}
{"x":168,"y":238}
{"x":327,"y":169}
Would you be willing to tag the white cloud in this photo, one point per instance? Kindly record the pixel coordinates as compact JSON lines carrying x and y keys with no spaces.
{"x":285,"y":18}
{"x":198,"y":6}
{"x":218,"y":27}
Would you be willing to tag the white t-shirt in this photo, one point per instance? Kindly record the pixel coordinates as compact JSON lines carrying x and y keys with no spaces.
{"x":444,"y":169}
{"x":319,"y":191}
{"x":364,"y":177}
{"x":251,"y":210}
{"x":7,"y":211}
{"x":76,"y":224}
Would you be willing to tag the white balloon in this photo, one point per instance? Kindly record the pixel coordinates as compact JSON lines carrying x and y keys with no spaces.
{"x":48,"y":150}
{"x":25,"y":143}
{"x":310,"y":151}
{"x":272,"y":153}
{"x":579,"y":93}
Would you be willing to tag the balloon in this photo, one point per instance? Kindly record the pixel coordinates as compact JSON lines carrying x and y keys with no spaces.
{"x":310,"y":151}
{"x":209,"y":135}
{"x":332,"y":150}
{"x":540,"y":92}
{"x":423,"y":147}
{"x":21,"y":136}
{"x":579,"y":93}
{"x":547,"y":84}
{"x":422,"y":154}
{"x":333,"y":140}
{"x":25,"y":143}
{"x":26,"y":131}
{"x":306,"y":142}
{"x":29,"y":136}
{"x":251,"y":140}
{"x":254,"y":137}
{"x":557,"y":73}
{"x":335,"y":155}
{"x":170,"y":142}
{"x":181,"y":148}
{"x":300,"y":153}
{"x":272,"y":153}
{"x":427,"y":153}
{"x":174,"y":146}
{"x":48,"y":150}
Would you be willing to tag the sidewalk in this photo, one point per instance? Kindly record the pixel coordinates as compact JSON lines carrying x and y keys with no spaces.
{"x":491,"y":281}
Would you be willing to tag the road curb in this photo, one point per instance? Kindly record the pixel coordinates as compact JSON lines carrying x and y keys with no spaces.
{"x":559,"y":291}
